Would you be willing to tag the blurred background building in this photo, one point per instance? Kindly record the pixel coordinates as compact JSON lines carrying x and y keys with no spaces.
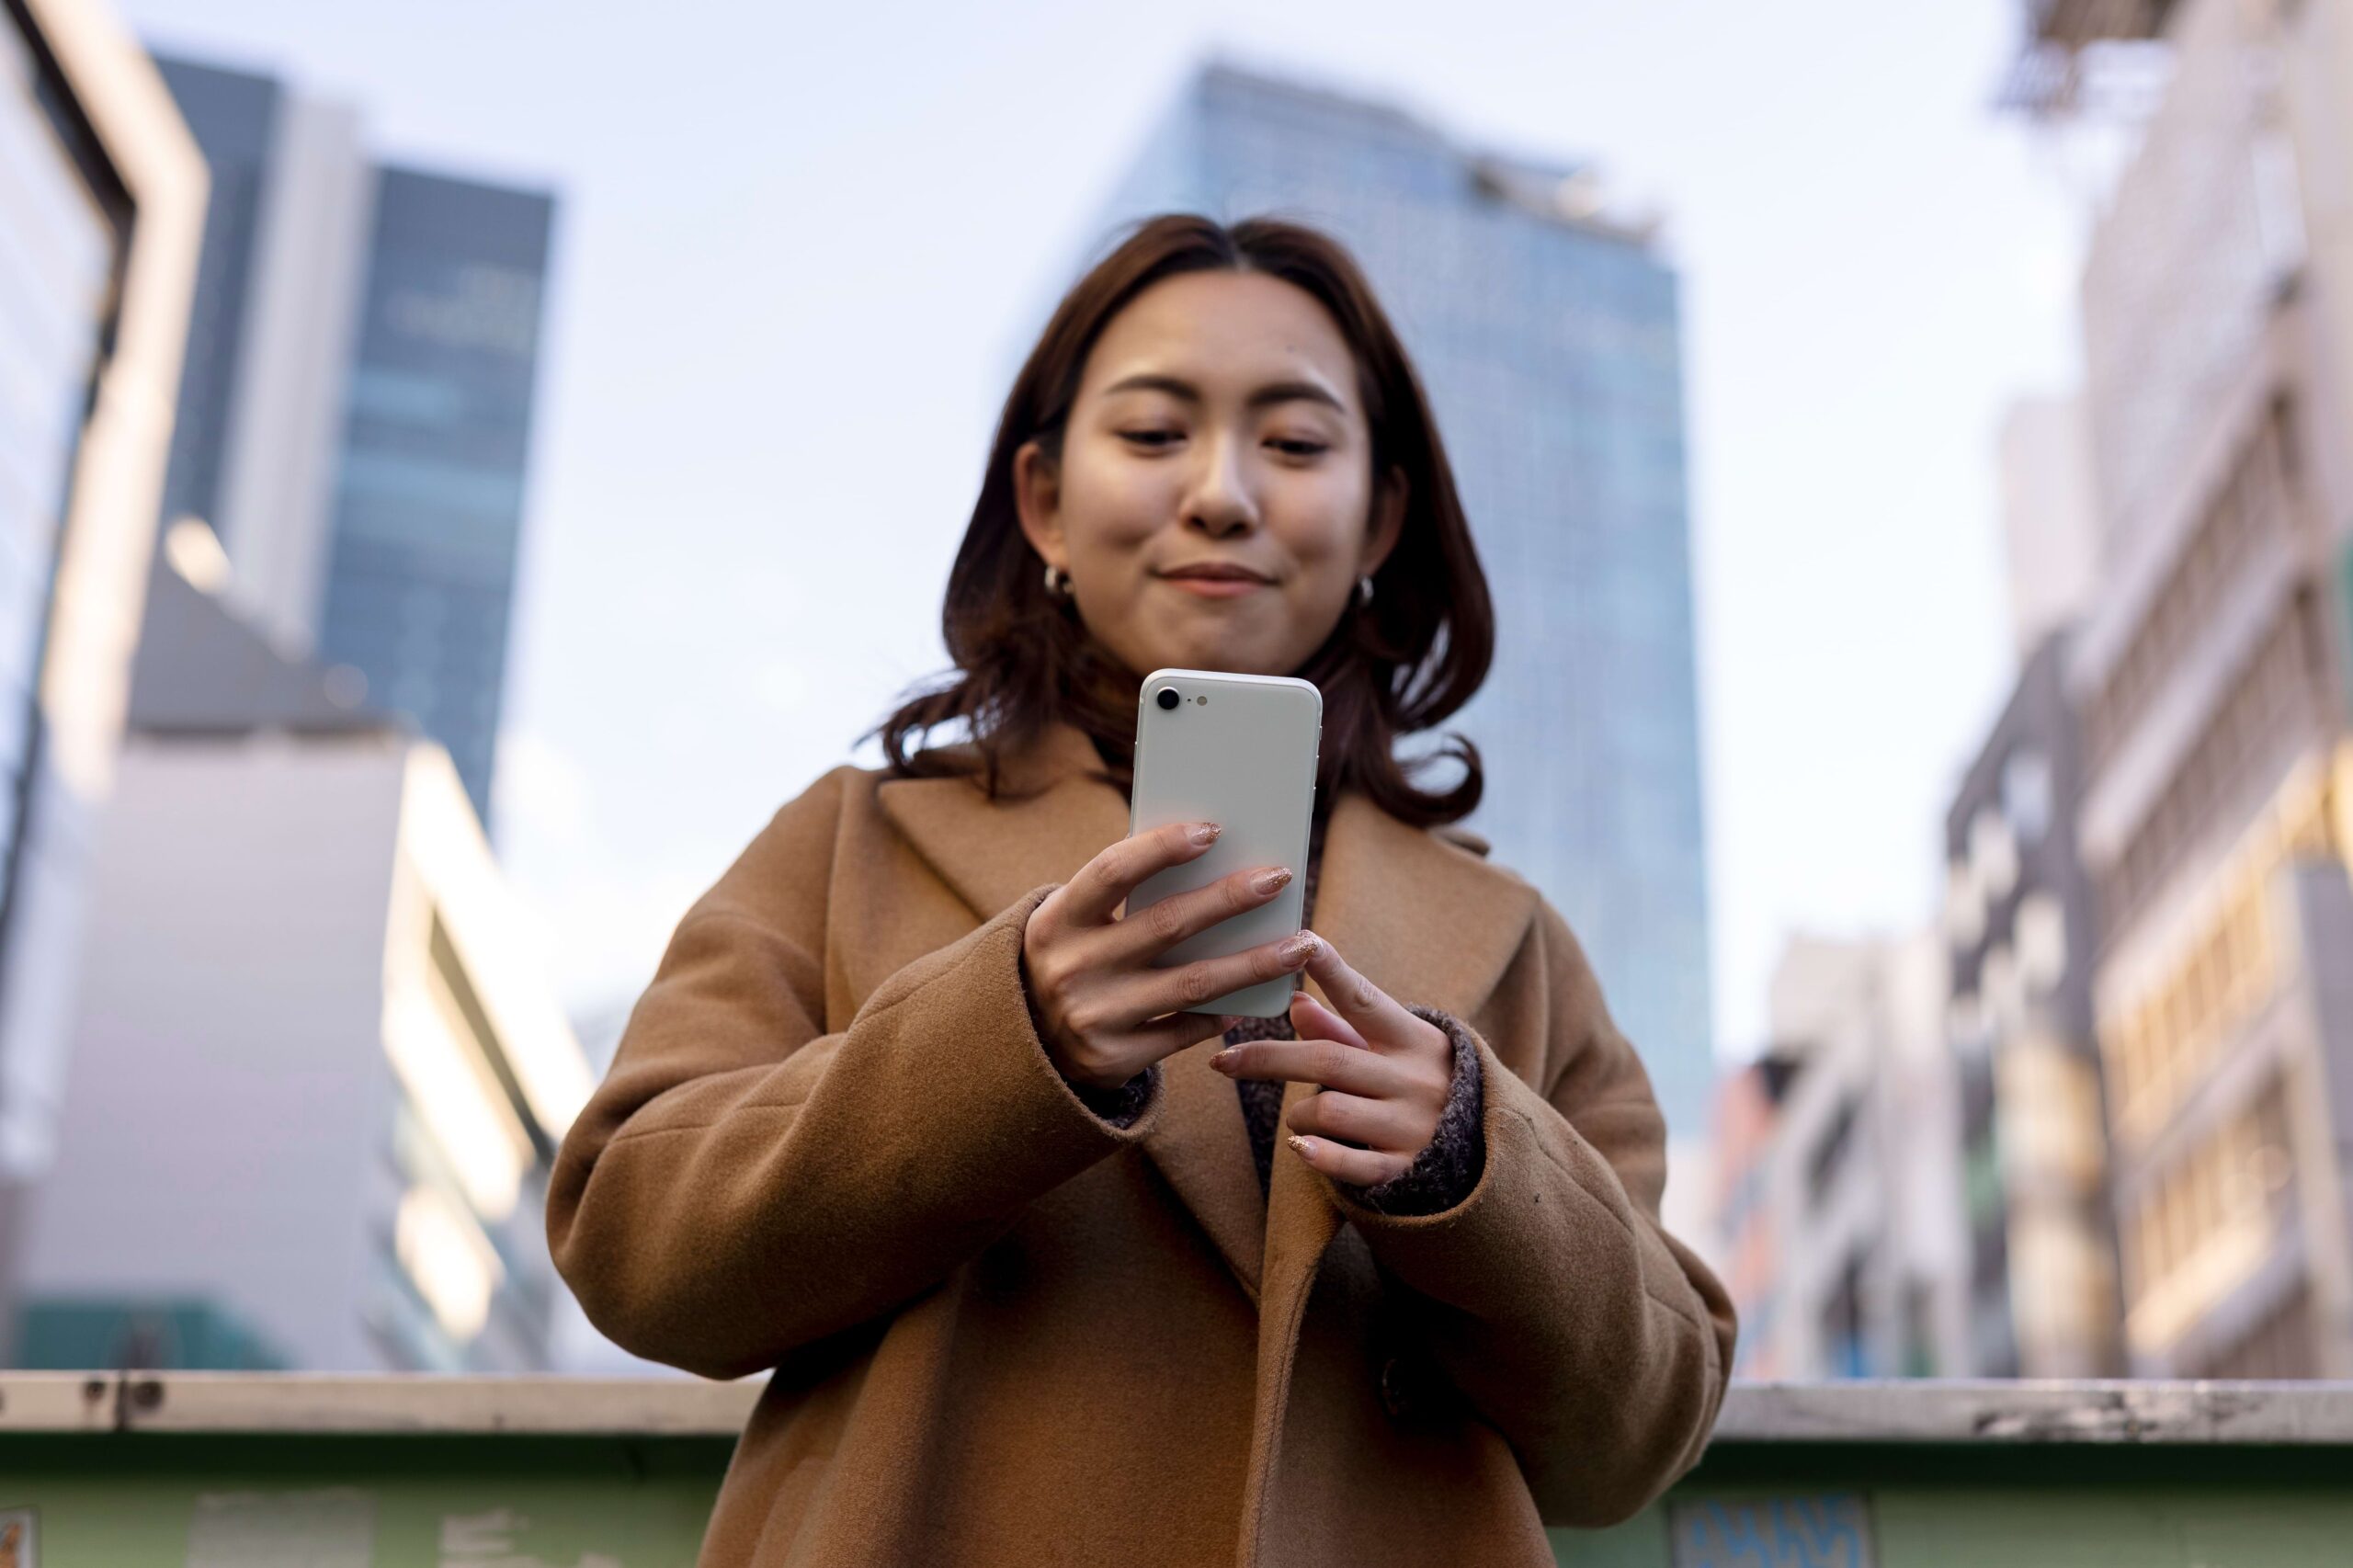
{"x":2148,"y":929}
{"x":316,"y":1086}
{"x":1837,"y":1169}
{"x":1547,"y":329}
{"x":279,"y":1079}
{"x":100,"y":208}
{"x":2211,"y":675}
{"x":2018,"y":929}
{"x":2049,"y":528}
{"x":354,"y":420}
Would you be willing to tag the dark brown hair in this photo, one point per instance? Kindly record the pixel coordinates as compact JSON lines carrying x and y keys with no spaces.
{"x":1406,"y":662}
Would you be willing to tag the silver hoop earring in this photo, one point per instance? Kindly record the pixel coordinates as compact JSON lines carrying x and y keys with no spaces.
{"x":1364,"y":590}
{"x":1057,"y":582}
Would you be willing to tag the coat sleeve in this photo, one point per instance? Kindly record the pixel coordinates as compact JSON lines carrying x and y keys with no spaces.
{"x":744,"y":1183}
{"x":1550,"y":1297}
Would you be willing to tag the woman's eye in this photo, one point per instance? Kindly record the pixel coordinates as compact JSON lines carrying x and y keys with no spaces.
{"x":1300,"y":448}
{"x":1149,"y":437}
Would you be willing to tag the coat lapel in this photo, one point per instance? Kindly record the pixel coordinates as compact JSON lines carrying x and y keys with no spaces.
{"x":1428,"y":921}
{"x":1053,"y":819}
{"x":991,"y":852}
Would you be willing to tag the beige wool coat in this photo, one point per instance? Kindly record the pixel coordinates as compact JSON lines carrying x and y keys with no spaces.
{"x":1000,"y":1330}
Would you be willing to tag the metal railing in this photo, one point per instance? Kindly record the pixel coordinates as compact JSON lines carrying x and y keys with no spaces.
{"x":129,"y":1470}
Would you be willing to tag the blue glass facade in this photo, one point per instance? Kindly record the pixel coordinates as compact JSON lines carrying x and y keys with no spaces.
{"x":1552,"y":351}
{"x":234,"y":117}
{"x":422,"y":528}
{"x":429,"y":506}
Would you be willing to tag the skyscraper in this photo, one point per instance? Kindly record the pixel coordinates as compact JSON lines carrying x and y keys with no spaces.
{"x":428,"y":507}
{"x":101,"y":203}
{"x":1548,"y":335}
{"x":355,"y":423}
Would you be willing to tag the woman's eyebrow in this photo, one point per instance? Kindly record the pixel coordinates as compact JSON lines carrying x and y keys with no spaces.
{"x":1263,"y":397}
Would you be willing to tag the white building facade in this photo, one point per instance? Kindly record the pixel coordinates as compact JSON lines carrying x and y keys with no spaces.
{"x":317,"y":1080}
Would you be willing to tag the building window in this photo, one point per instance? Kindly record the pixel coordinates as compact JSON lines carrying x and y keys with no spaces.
{"x":1829,"y":1154}
{"x":1993,"y":853}
{"x":2040,"y":939}
{"x":2026,"y":794}
{"x":1964,"y":905}
{"x":2205,"y":1223}
{"x":2249,"y":504}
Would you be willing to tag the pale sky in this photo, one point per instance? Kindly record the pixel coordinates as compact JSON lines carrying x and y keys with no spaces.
{"x":796,"y":243}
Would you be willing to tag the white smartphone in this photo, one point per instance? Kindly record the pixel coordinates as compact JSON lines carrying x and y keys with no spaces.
{"x":1239,"y":751}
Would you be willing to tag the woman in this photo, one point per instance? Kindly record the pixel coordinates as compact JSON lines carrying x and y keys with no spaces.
{"x":909,"y":1120}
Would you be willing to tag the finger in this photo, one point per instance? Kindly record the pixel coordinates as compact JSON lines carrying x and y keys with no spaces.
{"x":1358,"y":1168}
{"x":1161,"y":1038}
{"x":1159,"y":991}
{"x":1090,"y":897}
{"x":1382,"y":1124}
{"x":1378,"y":1016}
{"x":1309,"y":1019}
{"x":1146,"y":932}
{"x":1329,"y":1063}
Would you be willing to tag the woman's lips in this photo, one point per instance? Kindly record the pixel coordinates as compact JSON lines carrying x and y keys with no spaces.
{"x":1216,"y":587}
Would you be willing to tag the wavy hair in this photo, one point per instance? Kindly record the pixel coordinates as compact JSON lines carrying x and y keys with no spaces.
{"x":1023,"y":659}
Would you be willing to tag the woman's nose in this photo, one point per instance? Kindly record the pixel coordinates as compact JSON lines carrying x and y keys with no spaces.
{"x":1221,"y":504}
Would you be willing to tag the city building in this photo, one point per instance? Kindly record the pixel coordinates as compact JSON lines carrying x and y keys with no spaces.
{"x":2049,"y":528}
{"x":1749,"y":1232}
{"x":1548,"y":333}
{"x":2211,"y":675}
{"x":1838,"y":1164}
{"x":2018,"y":930}
{"x":101,"y":210}
{"x":316,"y":1081}
{"x":271,"y":336}
{"x":355,"y":419}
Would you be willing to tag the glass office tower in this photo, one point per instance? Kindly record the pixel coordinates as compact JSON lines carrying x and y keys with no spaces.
{"x":1549,"y":339}
{"x":355,"y":416}
{"x":236,"y":115}
{"x":428,"y":507}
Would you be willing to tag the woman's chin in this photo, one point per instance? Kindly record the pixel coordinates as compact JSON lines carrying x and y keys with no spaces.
{"x":1210,"y":642}
{"x":1227,"y":657}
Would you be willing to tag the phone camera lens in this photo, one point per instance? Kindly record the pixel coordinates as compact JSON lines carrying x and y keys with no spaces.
{"x":1169,"y":697}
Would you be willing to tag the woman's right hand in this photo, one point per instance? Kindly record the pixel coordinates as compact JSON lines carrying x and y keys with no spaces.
{"x":1103,"y":1011}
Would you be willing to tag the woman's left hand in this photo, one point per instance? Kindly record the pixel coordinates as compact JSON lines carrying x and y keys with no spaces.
{"x":1383,"y":1075}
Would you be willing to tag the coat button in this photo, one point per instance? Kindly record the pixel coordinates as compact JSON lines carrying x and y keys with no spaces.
{"x":1393,"y":1396}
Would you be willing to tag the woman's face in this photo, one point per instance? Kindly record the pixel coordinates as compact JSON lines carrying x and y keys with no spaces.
{"x":1214,"y":505}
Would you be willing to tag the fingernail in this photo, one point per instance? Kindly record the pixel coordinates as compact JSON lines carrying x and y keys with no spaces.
{"x":1303,"y":1147}
{"x":1224,"y":1058}
{"x":1272,"y":881}
{"x":1206,"y":832}
{"x":1298,"y":948}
